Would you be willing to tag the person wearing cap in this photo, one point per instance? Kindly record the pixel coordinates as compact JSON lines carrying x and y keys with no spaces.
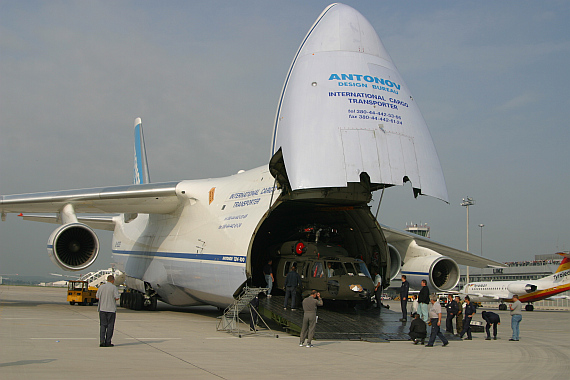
{"x":491,"y":319}
{"x":418,"y":329}
{"x":469,"y":313}
{"x":435,"y":319}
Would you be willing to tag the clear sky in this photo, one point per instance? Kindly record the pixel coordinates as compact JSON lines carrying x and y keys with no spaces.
{"x":491,"y":79}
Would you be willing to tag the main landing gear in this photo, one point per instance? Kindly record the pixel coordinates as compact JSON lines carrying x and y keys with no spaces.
{"x":529,"y":307}
{"x":135,"y":300}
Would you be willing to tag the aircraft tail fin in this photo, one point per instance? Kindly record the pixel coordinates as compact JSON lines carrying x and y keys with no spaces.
{"x":565,"y":264}
{"x":141,"y":174}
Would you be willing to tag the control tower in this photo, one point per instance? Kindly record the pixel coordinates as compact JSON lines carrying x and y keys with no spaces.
{"x":421,"y":229}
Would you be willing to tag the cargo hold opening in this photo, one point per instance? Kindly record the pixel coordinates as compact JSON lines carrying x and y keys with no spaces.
{"x":357,"y":232}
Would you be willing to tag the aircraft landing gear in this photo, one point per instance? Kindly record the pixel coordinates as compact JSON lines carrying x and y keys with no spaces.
{"x":135,"y":300}
{"x":502,"y":306}
{"x":529,"y":307}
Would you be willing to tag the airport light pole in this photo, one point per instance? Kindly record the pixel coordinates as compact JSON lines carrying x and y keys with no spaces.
{"x":481,"y":225}
{"x":467,"y":201}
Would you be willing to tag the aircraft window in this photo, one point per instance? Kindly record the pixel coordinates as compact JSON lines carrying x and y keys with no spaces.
{"x":334,"y":268}
{"x":287,"y":267}
{"x":349,"y":269}
{"x":362,"y":270}
{"x":317,"y":270}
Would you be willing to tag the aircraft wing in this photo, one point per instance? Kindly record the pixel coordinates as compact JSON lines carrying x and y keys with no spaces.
{"x":156,"y":198}
{"x":96,"y":222}
{"x":461,"y":257}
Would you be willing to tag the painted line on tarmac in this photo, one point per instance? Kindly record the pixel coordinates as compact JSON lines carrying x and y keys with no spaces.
{"x":63,"y":338}
{"x":152,"y":338}
{"x":250,"y":336}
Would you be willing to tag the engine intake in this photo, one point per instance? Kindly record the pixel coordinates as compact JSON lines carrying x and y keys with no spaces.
{"x":73,"y":246}
{"x":518,"y":288}
{"x":440,"y":272}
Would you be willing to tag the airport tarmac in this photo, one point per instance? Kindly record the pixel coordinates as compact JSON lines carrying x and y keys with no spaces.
{"x":43,"y":337}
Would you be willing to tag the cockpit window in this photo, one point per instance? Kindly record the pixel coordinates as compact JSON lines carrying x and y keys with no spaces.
{"x":334,"y":268}
{"x":362,"y":270}
{"x":350,"y":269}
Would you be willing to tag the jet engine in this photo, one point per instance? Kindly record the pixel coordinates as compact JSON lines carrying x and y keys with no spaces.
{"x":395,"y":261}
{"x":517,"y":288}
{"x":73,"y":246}
{"x":440,"y":272}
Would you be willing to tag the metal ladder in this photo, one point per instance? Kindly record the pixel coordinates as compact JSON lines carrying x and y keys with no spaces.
{"x":230,"y":321}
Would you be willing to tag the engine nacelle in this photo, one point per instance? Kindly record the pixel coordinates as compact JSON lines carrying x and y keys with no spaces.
{"x":73,"y":246}
{"x":395,"y":262}
{"x":517,"y":288}
{"x":440,"y":272}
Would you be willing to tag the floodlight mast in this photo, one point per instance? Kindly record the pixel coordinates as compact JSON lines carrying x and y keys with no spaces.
{"x":481,"y":225}
{"x":466,"y":202}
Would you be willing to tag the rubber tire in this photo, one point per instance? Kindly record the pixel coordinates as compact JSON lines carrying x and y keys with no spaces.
{"x":72,"y":303}
{"x":138,"y":301}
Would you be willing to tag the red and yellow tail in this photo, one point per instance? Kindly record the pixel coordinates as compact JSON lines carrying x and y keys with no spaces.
{"x":565,"y":264}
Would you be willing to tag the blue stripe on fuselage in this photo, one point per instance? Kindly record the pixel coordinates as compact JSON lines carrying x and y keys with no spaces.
{"x":186,"y":256}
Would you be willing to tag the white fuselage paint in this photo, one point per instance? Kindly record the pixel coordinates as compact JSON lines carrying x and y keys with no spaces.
{"x":198,"y":254}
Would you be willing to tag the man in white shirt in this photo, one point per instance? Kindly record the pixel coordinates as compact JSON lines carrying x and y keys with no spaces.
{"x":516,"y":317}
{"x":107,"y":294}
{"x":378,"y":290}
{"x":435,"y":319}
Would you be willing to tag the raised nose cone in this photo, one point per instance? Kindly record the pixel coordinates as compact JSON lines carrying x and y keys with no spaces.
{"x":345,"y":110}
{"x":342,"y":28}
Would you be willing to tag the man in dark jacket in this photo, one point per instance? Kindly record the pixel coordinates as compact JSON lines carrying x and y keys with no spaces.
{"x":423,"y":302}
{"x":452,"y":309}
{"x":292,"y":281}
{"x":468,"y":312}
{"x":404,"y":289}
{"x":491,"y":319}
{"x":418,"y":329}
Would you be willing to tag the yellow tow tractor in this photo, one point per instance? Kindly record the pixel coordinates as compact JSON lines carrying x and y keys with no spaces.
{"x":80,"y":292}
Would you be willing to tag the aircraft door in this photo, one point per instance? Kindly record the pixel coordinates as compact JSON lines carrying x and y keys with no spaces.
{"x":317,"y":276}
{"x":305,"y":275}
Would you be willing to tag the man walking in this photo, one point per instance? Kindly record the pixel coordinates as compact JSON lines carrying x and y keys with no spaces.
{"x":404,"y":289}
{"x":452,"y":309}
{"x":423,"y":302}
{"x":107,"y":294}
{"x":491,"y":319}
{"x":269,"y":279}
{"x":310,"y":317}
{"x":435,"y":319}
{"x":469,"y":313}
{"x":516,"y":317}
{"x":292,"y":281}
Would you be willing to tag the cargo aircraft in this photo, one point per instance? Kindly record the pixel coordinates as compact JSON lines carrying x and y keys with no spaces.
{"x":528,"y":291}
{"x":346,"y":126}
